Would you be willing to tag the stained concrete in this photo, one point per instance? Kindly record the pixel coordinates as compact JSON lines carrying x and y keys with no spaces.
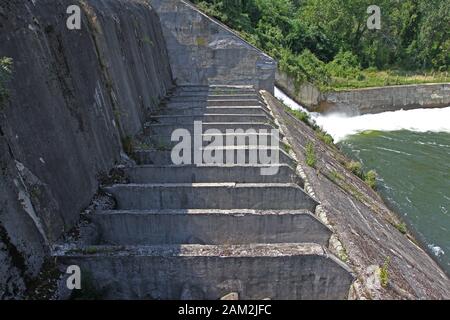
{"x":225,"y":228}
{"x":270,"y":196}
{"x":73,"y":96}
{"x":181,"y":119}
{"x":210,"y":173}
{"x":209,"y":227}
{"x":159,"y":129}
{"x":232,"y":155}
{"x":204,"y":51}
{"x":256,"y":272}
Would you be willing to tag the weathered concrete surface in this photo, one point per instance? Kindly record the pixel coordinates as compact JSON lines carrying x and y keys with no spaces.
{"x":206,"y":205}
{"x":182,"y":119}
{"x":362,"y":223}
{"x":73,"y":95}
{"x":232,"y":155}
{"x":256,"y":272}
{"x":370,"y":100}
{"x":22,"y":247}
{"x":210,"y":173}
{"x":203,"y":51}
{"x":209,"y":227}
{"x":192,"y":110}
{"x":275,"y":196}
{"x":160,"y":129}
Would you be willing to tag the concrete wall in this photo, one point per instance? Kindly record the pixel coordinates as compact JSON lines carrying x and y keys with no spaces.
{"x":73,"y":96}
{"x":256,"y":272}
{"x":203,"y":51}
{"x":209,"y":227}
{"x":370,"y":100}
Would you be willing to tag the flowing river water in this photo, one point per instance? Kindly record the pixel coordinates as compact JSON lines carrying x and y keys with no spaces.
{"x":410,"y":150}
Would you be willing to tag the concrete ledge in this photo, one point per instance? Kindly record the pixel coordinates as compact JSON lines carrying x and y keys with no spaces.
{"x":157,"y":157}
{"x":197,"y":111}
{"x":212,"y":227}
{"x":256,"y":272}
{"x":230,"y":139}
{"x":213,"y":96}
{"x":168,"y":129}
{"x":182,"y":119}
{"x":210,"y":173}
{"x":263,"y":196}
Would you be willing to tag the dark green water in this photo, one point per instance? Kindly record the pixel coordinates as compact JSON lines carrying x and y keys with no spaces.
{"x":414,"y":180}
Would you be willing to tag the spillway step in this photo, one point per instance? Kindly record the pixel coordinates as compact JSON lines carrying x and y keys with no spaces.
{"x":210,"y":227}
{"x":167,"y":129}
{"x":231,"y":155}
{"x":256,"y":110}
{"x":182,"y":119}
{"x":256,"y":272}
{"x":211,"y":173}
{"x":231,"y":139}
{"x":262,"y":196}
{"x":214,"y":103}
{"x":207,"y":96}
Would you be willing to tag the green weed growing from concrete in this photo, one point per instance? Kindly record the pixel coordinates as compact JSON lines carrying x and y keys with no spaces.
{"x":311,"y":158}
{"x":371,"y":179}
{"x":384,"y":272}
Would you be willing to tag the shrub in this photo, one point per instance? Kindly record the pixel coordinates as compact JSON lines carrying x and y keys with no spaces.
{"x":384,"y":273}
{"x":310,"y":155}
{"x":344,"y":65}
{"x":401,"y":227}
{"x":325,"y":137}
{"x":356,"y":168}
{"x":371,"y":179}
{"x":301,"y":115}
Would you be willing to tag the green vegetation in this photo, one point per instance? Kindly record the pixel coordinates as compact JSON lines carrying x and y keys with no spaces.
{"x":401,"y":227}
{"x":356,"y":168}
{"x":300,"y":115}
{"x":6,"y":65}
{"x":311,"y":158}
{"x":286,"y":147}
{"x":325,"y":137}
{"x":306,"y":118}
{"x":371,"y":179}
{"x":327,"y":42}
{"x":384,"y":272}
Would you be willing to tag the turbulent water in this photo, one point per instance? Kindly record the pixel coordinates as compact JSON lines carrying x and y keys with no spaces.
{"x":410,"y":150}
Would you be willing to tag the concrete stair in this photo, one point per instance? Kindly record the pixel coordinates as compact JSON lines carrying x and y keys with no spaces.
{"x":162,"y":157}
{"x":161,"y":129}
{"x":227,"y":117}
{"x":209,"y":226}
{"x":257,"y":271}
{"x":210,"y":174}
{"x":203,"y":231}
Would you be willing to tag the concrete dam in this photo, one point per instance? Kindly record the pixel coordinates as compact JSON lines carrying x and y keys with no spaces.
{"x":88,"y":177}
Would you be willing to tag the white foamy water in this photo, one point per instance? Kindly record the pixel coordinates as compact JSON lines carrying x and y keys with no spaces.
{"x":340,"y":126}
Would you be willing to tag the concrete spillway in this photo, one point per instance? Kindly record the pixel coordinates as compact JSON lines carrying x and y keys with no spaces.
{"x":204,"y":231}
